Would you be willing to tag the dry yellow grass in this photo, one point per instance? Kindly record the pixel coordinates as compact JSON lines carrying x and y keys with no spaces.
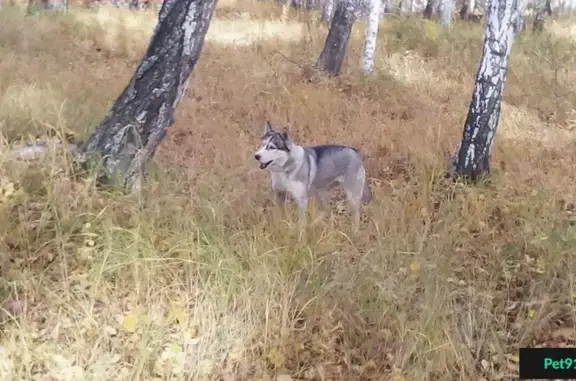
{"x":201,"y":280}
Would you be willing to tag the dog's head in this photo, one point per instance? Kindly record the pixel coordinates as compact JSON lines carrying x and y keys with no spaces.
{"x":274,"y":151}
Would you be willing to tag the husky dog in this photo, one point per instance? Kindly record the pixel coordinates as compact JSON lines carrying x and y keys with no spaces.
{"x":304,"y":172}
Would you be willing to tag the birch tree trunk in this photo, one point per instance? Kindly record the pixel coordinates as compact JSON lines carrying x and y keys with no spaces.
{"x":467,"y":9}
{"x":47,"y":5}
{"x":371,"y":36}
{"x":328,"y":11}
{"x":446,"y":8}
{"x":285,"y":11}
{"x":542,"y":8}
{"x":332,"y":56}
{"x":502,"y":22}
{"x":431,"y":5}
{"x":130,"y":133}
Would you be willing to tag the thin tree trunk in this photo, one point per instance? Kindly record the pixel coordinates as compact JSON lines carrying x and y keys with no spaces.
{"x":502,"y":22}
{"x":467,"y":9}
{"x":371,"y":36}
{"x":285,"y":11}
{"x":332,"y":56}
{"x":542,"y":8}
{"x":571,"y":6}
{"x":328,"y":11}
{"x":47,"y":5}
{"x":384,"y":8}
{"x":446,"y":8}
{"x":138,"y":120}
{"x":429,"y":10}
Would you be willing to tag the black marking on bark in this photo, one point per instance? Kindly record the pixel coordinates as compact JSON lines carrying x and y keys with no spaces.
{"x":129,"y":135}
{"x":473,"y":158}
{"x":332,"y":56}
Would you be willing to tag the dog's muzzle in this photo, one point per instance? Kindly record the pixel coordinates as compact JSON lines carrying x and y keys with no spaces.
{"x":265,"y":165}
{"x":262,"y":165}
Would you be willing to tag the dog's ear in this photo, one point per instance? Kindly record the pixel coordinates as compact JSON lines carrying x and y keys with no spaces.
{"x":284,"y":134}
{"x":267,"y":127}
{"x":286,"y":138}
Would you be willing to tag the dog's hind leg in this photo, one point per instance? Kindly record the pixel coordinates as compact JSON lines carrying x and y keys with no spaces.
{"x":322,"y":198}
{"x":355,"y":205}
{"x":354,"y":188}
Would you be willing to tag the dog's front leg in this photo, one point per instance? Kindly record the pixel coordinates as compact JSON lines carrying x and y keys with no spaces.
{"x":280,"y":197}
{"x":300,"y":194}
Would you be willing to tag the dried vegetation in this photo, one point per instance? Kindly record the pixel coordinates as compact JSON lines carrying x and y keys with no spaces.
{"x":202,"y":280}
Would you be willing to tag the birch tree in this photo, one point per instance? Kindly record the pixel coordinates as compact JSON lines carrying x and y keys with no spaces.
{"x":431,"y":6}
{"x":503,"y":18}
{"x":371,"y":36}
{"x":130,"y":133}
{"x":47,"y":5}
{"x":542,"y":8}
{"x":285,"y":11}
{"x":446,"y":8}
{"x":467,"y":9}
{"x":332,"y":56}
{"x":328,"y":11}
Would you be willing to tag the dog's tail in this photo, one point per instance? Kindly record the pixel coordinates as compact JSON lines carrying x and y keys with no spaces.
{"x":366,"y":192}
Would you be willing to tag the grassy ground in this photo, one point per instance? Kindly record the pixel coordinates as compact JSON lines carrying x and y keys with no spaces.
{"x":201,"y":280}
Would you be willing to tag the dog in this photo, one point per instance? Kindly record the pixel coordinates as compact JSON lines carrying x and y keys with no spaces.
{"x":313,"y":171}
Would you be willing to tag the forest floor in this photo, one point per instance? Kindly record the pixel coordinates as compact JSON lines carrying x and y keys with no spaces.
{"x":200,"y":279}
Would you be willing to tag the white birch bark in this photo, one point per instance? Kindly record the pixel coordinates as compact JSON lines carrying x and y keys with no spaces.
{"x":542,"y":8}
{"x":328,"y":11}
{"x":446,"y":8}
{"x":468,"y":7}
{"x":285,"y":12}
{"x":371,"y":36}
{"x":47,"y":5}
{"x":503,"y":19}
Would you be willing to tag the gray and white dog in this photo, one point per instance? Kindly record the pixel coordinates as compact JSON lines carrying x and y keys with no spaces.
{"x":305,"y":172}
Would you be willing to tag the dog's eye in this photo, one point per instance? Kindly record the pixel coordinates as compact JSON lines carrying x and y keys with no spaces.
{"x":272,"y":147}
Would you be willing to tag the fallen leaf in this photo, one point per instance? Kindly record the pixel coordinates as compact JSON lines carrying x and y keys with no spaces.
{"x":178,"y":314}
{"x":415,"y":266}
{"x":129,"y":322}
{"x":176,"y":348}
{"x":276,"y":358}
{"x":512,"y":358}
{"x":531,"y":314}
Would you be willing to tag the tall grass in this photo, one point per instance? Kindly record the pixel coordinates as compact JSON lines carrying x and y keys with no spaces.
{"x":201,"y":279}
